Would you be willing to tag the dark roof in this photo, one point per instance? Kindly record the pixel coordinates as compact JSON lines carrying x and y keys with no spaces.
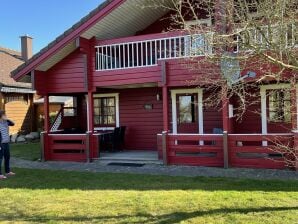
{"x":63,"y":35}
{"x":10,"y":60}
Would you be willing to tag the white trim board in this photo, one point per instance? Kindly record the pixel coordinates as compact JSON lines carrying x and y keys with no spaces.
{"x":88,"y":117}
{"x":174,"y":93}
{"x":116,"y":95}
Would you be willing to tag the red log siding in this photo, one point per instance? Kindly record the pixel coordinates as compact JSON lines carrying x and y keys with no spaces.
{"x":68,"y":76}
{"x":40,"y":83}
{"x":212,"y":119}
{"x":181,"y":72}
{"x":142,"y":125}
{"x":250,"y":122}
{"x":117,"y":77}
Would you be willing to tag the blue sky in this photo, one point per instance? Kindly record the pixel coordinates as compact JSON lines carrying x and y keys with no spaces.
{"x":43,"y":20}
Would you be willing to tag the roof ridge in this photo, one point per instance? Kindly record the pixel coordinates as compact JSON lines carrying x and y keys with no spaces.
{"x":9,"y":49}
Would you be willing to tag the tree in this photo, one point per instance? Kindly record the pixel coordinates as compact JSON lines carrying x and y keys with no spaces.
{"x":245,"y":43}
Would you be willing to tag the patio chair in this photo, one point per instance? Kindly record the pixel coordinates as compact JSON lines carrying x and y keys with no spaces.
{"x":122,"y":137}
{"x":113,"y":141}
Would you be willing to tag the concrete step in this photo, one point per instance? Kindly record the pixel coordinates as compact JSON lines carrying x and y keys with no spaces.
{"x":130,"y":156}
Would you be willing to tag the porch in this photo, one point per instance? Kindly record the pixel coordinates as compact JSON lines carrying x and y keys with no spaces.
{"x":196,"y":135}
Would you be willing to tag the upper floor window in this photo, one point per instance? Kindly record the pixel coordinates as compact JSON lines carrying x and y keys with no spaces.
{"x":280,"y":106}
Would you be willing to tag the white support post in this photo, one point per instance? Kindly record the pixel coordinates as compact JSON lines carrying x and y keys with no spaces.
{"x":264,"y":113}
{"x":200,"y":114}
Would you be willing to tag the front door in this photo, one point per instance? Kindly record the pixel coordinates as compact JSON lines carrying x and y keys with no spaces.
{"x":187,"y":113}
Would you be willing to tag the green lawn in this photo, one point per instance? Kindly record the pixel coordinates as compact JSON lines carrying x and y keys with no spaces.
{"x":28,"y":151}
{"x":40,"y":196}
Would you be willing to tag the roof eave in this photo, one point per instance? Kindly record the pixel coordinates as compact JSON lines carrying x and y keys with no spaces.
{"x":101,"y":11}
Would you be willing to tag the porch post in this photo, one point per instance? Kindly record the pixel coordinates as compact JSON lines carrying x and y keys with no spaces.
{"x":264,"y":112}
{"x":226,"y":127}
{"x":90,"y":119}
{"x":44,"y":136}
{"x":294,"y":122}
{"x":294,"y":113}
{"x":165,"y":111}
{"x":164,"y":147}
{"x":91,"y":151}
{"x":165,"y":101}
{"x":225,"y":114}
{"x":46,"y":114}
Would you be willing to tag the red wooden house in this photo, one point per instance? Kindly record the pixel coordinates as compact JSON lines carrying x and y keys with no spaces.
{"x":124,"y":69}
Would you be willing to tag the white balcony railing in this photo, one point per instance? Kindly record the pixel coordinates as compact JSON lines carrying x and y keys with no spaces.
{"x":267,"y":37}
{"x":148,"y":52}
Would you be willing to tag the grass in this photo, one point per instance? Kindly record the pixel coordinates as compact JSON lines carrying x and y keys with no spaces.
{"x":41,"y":196}
{"x":27,"y":151}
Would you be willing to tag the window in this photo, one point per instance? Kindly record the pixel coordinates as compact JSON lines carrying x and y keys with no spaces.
{"x":186,"y":108}
{"x":280,"y":106}
{"x":105,"y":111}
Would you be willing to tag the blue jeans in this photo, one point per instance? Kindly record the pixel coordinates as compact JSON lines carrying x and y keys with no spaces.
{"x":5,"y":152}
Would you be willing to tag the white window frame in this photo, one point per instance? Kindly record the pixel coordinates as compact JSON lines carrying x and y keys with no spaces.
{"x":263,"y":93}
{"x":116,"y":95}
{"x":174,"y":93}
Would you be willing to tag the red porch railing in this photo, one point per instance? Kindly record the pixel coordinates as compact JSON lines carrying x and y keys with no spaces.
{"x":260,"y":151}
{"x":67,"y":147}
{"x":192,"y":149}
{"x":271,"y":151}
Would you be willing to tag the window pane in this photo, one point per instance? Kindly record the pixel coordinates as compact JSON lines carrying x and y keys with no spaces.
{"x":111,"y":110}
{"x":111,"y":101}
{"x":185,"y":109}
{"x":111,"y":119}
{"x":96,"y":111}
{"x":96,"y":103}
{"x":280,"y":106}
{"x":96,"y":120}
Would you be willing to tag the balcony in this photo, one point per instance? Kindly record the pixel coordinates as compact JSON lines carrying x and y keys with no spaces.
{"x":267,"y":37}
{"x":145,"y":51}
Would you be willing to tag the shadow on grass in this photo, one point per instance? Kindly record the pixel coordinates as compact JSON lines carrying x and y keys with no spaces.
{"x":46,"y":179}
{"x":176,"y":217}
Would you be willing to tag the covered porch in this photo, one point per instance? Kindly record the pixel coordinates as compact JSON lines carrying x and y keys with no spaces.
{"x":171,"y":122}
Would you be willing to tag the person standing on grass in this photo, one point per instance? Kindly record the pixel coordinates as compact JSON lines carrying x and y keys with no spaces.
{"x":4,"y":146}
